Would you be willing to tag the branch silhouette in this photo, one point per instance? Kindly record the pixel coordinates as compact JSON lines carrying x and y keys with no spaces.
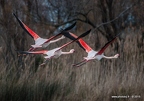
{"x":102,"y":24}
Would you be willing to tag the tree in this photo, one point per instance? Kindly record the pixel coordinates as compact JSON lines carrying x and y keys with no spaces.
{"x":107,"y":17}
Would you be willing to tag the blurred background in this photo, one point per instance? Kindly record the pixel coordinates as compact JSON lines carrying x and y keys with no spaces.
{"x":21,"y":77}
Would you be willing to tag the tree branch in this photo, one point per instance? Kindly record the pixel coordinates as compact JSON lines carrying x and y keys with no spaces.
{"x":97,"y":27}
{"x":37,"y":9}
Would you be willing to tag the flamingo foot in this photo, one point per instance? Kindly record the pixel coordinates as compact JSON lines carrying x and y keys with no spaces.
{"x":42,"y":64}
{"x":22,"y":54}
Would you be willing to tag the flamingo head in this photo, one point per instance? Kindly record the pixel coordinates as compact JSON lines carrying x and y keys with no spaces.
{"x":116,"y":56}
{"x":72,"y":51}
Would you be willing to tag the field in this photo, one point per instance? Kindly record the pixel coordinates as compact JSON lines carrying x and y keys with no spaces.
{"x":22,"y":79}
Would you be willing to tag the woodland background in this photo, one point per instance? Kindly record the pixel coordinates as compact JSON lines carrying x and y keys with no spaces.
{"x":21,"y":77}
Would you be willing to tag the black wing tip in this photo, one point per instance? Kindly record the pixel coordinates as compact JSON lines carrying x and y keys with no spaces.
{"x":22,"y":52}
{"x":74,"y":23}
{"x":70,"y":27}
{"x":15,"y":15}
{"x":84,"y":34}
{"x":118,"y":34}
{"x":89,"y":31}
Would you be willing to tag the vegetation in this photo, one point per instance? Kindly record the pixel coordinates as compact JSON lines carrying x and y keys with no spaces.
{"x":21,"y":77}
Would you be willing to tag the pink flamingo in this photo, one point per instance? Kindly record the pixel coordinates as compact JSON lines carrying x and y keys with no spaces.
{"x":55,"y":53}
{"x":41,"y":42}
{"x":91,"y":53}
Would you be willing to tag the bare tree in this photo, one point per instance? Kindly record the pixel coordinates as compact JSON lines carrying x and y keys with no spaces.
{"x":108,"y":17}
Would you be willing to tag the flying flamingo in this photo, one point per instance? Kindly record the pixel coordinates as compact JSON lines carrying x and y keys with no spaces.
{"x":55,"y":53}
{"x":40,"y":42}
{"x":91,"y":53}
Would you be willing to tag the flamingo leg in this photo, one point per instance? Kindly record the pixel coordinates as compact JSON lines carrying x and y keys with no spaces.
{"x":31,"y":49}
{"x":44,"y":62}
{"x":80,"y":63}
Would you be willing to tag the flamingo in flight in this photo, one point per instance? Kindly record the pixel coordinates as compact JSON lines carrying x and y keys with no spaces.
{"x":41,"y":42}
{"x":55,"y":53}
{"x":91,"y":53}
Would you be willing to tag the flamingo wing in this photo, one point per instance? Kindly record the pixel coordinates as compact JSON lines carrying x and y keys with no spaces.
{"x":33,"y":52}
{"x":27,"y":29}
{"x":82,"y":35}
{"x":80,"y":41}
{"x":66,"y":29}
{"x":70,"y":27}
{"x":106,"y":45}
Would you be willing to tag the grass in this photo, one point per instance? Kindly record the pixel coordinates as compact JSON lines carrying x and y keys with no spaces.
{"x":59,"y":81}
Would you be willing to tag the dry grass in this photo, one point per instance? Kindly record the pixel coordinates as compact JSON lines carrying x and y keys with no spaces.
{"x":23,"y":80}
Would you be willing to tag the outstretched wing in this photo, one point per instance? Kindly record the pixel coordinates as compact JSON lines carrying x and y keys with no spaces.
{"x":66,"y":29}
{"x":82,"y":35}
{"x":27,"y":29}
{"x":105,"y":46}
{"x":80,"y":41}
{"x":33,"y":52}
{"x":70,"y":27}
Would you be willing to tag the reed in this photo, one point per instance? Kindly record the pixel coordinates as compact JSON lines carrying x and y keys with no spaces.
{"x":94,"y":81}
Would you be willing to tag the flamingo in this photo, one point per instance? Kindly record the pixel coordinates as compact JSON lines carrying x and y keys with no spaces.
{"x":56,"y":52}
{"x":91,"y":53}
{"x":41,"y":42}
